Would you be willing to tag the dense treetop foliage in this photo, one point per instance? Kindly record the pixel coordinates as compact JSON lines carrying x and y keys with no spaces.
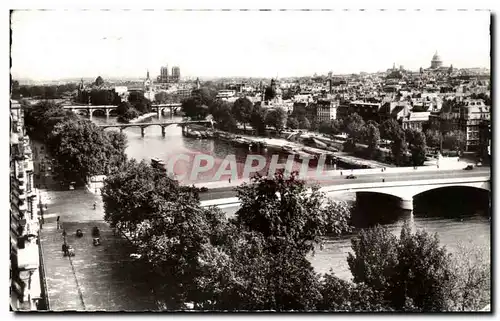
{"x":81,"y":149}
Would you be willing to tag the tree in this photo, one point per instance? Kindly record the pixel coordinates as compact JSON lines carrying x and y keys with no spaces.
{"x":282,"y":210}
{"x":40,"y":119}
{"x":374,"y":259}
{"x":292,"y":123}
{"x":433,"y":138}
{"x":116,"y":154}
{"x":276,"y":118}
{"x":472,"y":278}
{"x":104,"y":97}
{"x":389,"y":128}
{"x":222,"y":113}
{"x":372,"y":138}
{"x":349,"y":145}
{"x":99,"y":81}
{"x":454,"y":140}
{"x":248,"y":273}
{"x":336,"y":127}
{"x":325,"y":128}
{"x":354,"y":126}
{"x":82,"y":149}
{"x":413,"y":272}
{"x":140,"y":103}
{"x":305,"y":124}
{"x":372,"y":122}
{"x":417,"y":144}
{"x":399,"y":147}
{"x":194,"y":108}
{"x":137,"y":192}
{"x":242,"y":111}
{"x":162,"y":97}
{"x":258,"y":120}
{"x":205,"y":95}
{"x":340,"y":295}
{"x":176,"y":243}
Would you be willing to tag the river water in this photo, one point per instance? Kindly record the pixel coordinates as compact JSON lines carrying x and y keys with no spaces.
{"x":457,"y":216}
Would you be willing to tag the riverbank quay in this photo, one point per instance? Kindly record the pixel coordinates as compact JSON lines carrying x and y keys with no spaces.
{"x":97,"y":278}
{"x":342,"y":159}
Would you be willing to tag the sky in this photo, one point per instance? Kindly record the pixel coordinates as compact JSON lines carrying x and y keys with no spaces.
{"x":51,"y":45}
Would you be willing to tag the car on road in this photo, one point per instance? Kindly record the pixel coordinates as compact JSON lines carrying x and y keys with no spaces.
{"x":203,"y":189}
{"x":469,"y":167}
{"x":351,"y":176}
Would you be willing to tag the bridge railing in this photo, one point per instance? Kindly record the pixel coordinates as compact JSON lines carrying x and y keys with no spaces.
{"x":234,"y":201}
{"x":343,"y":173}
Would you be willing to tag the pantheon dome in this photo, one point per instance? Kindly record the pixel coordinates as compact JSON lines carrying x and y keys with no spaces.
{"x":436,"y":61}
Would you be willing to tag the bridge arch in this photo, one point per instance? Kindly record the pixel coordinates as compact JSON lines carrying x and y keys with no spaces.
{"x":97,"y":112}
{"x":484,"y":186}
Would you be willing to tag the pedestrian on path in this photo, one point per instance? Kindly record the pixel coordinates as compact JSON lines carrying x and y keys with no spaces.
{"x":58,"y":226}
{"x":64,"y":234}
{"x":230,"y":180}
{"x":95,"y":205}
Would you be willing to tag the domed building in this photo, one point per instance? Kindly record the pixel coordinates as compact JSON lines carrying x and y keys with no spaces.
{"x":436,"y":61}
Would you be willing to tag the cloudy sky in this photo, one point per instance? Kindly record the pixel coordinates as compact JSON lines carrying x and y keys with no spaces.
{"x":50,"y":45}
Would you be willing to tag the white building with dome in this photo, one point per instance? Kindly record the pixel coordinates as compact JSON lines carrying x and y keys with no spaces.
{"x":436,"y":61}
{"x":437,"y":65}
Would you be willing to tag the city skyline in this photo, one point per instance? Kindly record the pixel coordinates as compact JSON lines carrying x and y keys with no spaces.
{"x":125,"y":44}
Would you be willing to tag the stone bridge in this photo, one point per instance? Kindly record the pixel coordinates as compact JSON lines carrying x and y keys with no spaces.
{"x":163,"y":125}
{"x":405,"y":190}
{"x":90,"y":109}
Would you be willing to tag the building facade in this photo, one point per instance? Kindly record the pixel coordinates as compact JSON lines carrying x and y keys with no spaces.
{"x":326,"y":111}
{"x":368,"y":111}
{"x":473,"y":114}
{"x":25,"y":278}
{"x":416,"y":120}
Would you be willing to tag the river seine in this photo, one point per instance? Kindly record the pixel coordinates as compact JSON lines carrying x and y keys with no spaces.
{"x":459,"y":215}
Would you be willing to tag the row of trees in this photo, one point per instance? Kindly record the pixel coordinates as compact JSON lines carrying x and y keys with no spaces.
{"x":42,"y":92}
{"x":257,"y":260}
{"x":412,"y":141}
{"x":228,"y":115}
{"x":79,"y":147}
{"x":99,"y":96}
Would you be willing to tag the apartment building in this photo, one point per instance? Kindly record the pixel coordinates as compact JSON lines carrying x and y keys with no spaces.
{"x":473,"y":114}
{"x":326,"y":110}
{"x":368,"y":111}
{"x":25,"y":278}
{"x":416,"y":120}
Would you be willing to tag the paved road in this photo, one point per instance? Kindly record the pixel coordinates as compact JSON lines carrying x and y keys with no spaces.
{"x":226,"y":192}
{"x":97,"y":278}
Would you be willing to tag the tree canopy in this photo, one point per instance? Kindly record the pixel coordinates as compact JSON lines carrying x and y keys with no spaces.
{"x":139,"y":102}
{"x":276,"y":118}
{"x":82,"y":149}
{"x":223,"y":115}
{"x":242,"y":110}
{"x":418,"y":146}
{"x":389,"y":129}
